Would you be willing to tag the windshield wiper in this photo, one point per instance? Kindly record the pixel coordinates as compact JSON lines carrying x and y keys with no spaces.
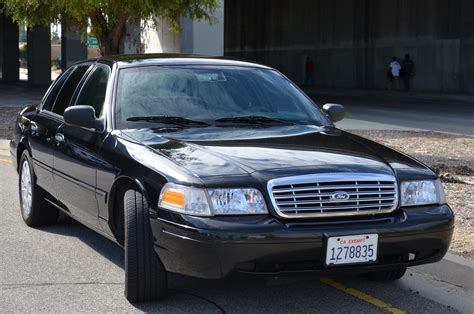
{"x":254,"y":120}
{"x":169,"y":120}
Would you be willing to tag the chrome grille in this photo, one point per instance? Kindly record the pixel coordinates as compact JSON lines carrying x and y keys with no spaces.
{"x":333,"y":194}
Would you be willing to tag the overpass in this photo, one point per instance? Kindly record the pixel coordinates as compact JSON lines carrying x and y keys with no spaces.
{"x":352,"y":41}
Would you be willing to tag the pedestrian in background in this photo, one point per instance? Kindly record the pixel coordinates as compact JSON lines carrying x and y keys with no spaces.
{"x":395,"y":70}
{"x":309,"y":72}
{"x":407,"y":72}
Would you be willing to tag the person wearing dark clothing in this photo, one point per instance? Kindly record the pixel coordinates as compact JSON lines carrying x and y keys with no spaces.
{"x":407,"y":71}
{"x":309,"y":72}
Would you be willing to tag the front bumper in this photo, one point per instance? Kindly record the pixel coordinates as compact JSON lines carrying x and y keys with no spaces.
{"x":217,"y":247}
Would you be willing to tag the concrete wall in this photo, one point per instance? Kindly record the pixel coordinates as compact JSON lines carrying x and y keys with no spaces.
{"x":196,"y":37}
{"x":200,"y":37}
{"x":352,"y":41}
{"x":160,"y":39}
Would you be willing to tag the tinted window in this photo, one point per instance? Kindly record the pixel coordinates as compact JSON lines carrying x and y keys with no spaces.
{"x":93,"y":92}
{"x":65,"y":95}
{"x":210,"y":93}
{"x":54,"y":90}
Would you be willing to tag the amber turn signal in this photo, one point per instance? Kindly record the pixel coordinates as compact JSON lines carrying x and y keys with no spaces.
{"x":173,"y":197}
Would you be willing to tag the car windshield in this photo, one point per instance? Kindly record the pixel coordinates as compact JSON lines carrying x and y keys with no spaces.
{"x":191,"y":96}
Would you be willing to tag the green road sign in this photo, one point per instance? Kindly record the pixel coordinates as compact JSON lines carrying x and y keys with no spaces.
{"x":92,"y":42}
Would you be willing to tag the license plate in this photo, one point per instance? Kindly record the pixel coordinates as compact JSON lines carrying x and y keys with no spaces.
{"x":352,"y":249}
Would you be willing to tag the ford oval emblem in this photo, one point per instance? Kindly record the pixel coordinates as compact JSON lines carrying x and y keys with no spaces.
{"x":340,"y":196}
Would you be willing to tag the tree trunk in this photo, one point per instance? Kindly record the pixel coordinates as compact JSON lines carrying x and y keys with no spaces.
{"x":109,"y":40}
{"x":108,"y":45}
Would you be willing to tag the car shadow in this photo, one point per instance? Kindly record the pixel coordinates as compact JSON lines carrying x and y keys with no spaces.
{"x":182,"y":289}
{"x":68,"y":227}
{"x":200,"y":295}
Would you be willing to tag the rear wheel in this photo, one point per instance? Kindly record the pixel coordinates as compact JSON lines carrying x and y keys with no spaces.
{"x":389,"y":275}
{"x":145,"y":276}
{"x":35,"y":210}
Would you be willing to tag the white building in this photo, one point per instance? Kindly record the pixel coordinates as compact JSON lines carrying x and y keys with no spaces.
{"x":196,"y":37}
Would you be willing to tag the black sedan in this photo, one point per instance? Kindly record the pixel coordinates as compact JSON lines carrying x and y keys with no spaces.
{"x":210,"y":167}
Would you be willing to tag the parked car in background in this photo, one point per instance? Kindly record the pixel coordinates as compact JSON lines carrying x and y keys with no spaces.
{"x":209,"y":167}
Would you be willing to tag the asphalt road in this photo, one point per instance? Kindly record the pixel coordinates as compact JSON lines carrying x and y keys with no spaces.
{"x":68,"y":267}
{"x":371,"y":113}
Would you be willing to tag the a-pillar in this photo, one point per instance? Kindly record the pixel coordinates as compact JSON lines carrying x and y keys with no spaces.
{"x":39,"y":56}
{"x":73,"y":49}
{"x":9,"y":51}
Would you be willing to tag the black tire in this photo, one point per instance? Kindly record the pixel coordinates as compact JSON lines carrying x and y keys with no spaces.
{"x":389,"y":275}
{"x":40,"y":213}
{"x":145,"y":276}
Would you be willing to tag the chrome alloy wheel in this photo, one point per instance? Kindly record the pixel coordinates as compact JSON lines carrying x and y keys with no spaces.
{"x":26,"y":189}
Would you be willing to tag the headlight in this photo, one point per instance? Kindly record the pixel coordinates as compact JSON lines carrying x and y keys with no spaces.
{"x":237,"y":202}
{"x":203,"y":202}
{"x":415,"y":193}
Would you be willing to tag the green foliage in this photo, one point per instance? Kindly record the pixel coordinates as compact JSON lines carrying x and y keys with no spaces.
{"x":107,"y":17}
{"x":45,"y":12}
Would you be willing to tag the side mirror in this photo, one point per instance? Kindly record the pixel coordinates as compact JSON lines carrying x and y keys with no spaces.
{"x":335,"y":112}
{"x":83,"y":116}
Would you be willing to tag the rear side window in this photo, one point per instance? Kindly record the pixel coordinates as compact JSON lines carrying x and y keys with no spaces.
{"x":94,"y":89}
{"x":54,"y":90}
{"x":65,"y":95}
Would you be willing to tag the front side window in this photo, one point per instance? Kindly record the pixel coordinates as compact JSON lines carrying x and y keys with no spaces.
{"x":94,"y":89}
{"x":67,"y":91}
{"x":210,"y":94}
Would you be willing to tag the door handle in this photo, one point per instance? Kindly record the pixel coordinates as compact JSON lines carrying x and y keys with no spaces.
{"x":59,"y":137}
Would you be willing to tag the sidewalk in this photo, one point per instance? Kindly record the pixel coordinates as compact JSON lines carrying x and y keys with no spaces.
{"x":20,"y":94}
{"x":386,"y":95}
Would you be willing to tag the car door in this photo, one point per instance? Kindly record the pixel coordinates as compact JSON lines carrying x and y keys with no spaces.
{"x":76,"y":156}
{"x":43,"y":127}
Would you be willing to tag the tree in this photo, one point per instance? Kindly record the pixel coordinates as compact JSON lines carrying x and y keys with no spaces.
{"x":107,"y":19}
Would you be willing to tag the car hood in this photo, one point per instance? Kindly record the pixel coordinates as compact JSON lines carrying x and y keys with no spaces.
{"x":273,"y":151}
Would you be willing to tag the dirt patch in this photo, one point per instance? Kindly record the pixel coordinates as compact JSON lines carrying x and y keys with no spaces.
{"x":7,"y":121}
{"x":452,"y":157}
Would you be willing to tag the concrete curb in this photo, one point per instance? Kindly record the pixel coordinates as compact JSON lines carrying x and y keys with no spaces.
{"x":454,"y":269}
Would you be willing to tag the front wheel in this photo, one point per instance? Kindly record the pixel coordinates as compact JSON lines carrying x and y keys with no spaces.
{"x":389,"y":275}
{"x":145,"y":276}
{"x":35,"y":210}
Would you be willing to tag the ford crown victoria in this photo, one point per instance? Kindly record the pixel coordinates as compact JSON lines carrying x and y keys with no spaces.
{"x":210,"y":167}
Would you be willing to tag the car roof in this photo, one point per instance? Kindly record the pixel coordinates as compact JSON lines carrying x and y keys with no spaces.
{"x":174,"y":59}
